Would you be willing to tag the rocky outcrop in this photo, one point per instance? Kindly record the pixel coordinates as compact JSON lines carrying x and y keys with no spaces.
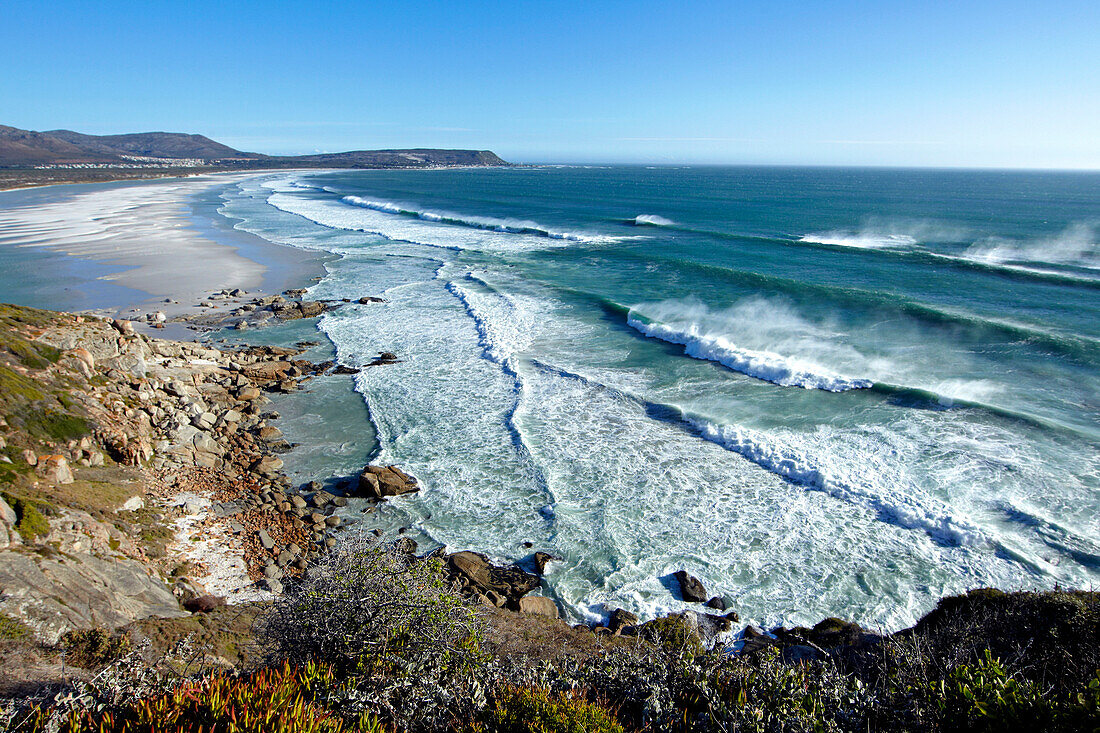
{"x":54,"y":594}
{"x":502,"y":586}
{"x":379,"y":482}
{"x":620,"y":619}
{"x":691,"y":588}
{"x":169,"y":411}
{"x":290,"y":311}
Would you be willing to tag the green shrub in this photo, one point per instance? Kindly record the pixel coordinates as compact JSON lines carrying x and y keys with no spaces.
{"x":362,"y":601}
{"x":531,"y":710}
{"x":93,"y":648}
{"x":674,"y":634}
{"x":12,"y":629}
{"x":984,"y":697}
{"x":31,"y":524}
{"x":57,"y":426}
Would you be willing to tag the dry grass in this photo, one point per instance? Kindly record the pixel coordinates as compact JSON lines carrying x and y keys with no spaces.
{"x":519,"y":636}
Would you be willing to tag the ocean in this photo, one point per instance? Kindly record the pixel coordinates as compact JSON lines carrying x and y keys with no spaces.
{"x":824,"y":392}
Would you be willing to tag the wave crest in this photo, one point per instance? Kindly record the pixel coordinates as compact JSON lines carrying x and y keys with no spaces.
{"x":653,"y":220}
{"x":487,"y":223}
{"x":681,"y":323}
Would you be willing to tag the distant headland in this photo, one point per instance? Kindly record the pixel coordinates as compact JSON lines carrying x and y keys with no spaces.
{"x":29,"y":158}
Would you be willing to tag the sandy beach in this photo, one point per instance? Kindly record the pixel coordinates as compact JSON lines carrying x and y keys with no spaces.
{"x":128,"y":248}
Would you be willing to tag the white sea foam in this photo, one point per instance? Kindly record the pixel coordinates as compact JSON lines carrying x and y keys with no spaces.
{"x":505,"y":324}
{"x":340,"y":215}
{"x":653,"y":220}
{"x":861,"y":240}
{"x":760,"y":320}
{"x":844,"y":482}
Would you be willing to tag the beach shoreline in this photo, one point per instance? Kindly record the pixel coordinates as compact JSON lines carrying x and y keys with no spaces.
{"x":134,"y":248}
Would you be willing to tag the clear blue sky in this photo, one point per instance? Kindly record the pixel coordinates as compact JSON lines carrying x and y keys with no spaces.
{"x":1012,"y":83}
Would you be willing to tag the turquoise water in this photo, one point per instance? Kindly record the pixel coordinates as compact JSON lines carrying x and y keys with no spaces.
{"x":824,"y":392}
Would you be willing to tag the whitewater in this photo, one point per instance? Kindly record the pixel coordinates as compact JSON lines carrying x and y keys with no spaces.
{"x":814,"y":390}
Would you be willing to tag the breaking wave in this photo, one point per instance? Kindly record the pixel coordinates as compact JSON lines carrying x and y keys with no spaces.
{"x":756,"y":321}
{"x":652,"y":220}
{"x":487,"y":223}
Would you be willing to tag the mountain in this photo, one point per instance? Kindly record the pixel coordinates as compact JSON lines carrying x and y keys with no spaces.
{"x":151,"y":144}
{"x":412,"y":158}
{"x":27,"y":148}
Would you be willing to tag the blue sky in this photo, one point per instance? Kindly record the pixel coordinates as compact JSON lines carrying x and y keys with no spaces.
{"x":1004,"y":84}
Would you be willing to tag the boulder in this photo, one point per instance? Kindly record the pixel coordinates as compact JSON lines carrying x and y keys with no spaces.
{"x":717,"y":603}
{"x":311,"y":308}
{"x":270,"y":434}
{"x":54,"y":469}
{"x":268,"y":466}
{"x":176,"y":387}
{"x":370,"y":299}
{"x":620,"y":619}
{"x":268,"y":371}
{"x":248,"y":393}
{"x":84,"y":356}
{"x":542,"y":559}
{"x":123,"y":327}
{"x":29,"y":457}
{"x":834,"y":632}
{"x":265,"y":539}
{"x":321,"y":498}
{"x":204,"y":420}
{"x":132,"y":504}
{"x":691,"y":588}
{"x":710,"y":625}
{"x":382,"y":481}
{"x":206,"y":444}
{"x":539,"y":606}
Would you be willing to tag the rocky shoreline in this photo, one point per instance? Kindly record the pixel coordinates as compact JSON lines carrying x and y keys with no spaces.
{"x":191,"y":425}
{"x":187,"y":430}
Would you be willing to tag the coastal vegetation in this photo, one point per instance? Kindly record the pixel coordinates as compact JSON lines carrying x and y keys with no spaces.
{"x":956,"y":670}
